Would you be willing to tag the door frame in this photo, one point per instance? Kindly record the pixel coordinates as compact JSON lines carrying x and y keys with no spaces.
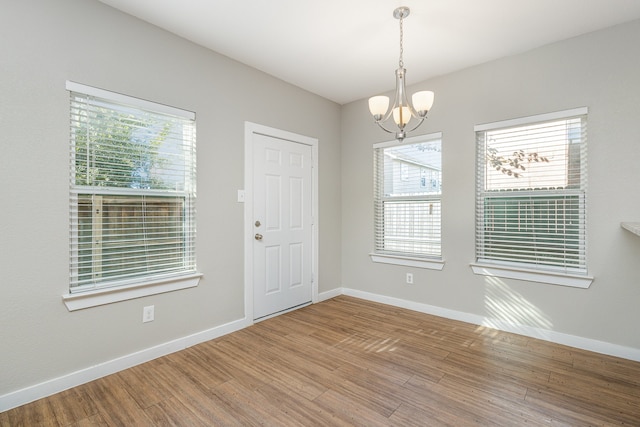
{"x":249,"y":130}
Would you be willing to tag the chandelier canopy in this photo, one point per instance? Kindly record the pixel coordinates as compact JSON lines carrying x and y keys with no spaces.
{"x":401,"y":109}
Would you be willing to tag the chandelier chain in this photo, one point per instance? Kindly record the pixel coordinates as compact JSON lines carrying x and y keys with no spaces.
{"x":401,"y":61}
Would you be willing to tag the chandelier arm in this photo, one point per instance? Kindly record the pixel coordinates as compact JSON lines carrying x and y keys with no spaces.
{"x":413,"y":112}
{"x":379,"y":123}
{"x":418,"y":125}
{"x":387,"y":115}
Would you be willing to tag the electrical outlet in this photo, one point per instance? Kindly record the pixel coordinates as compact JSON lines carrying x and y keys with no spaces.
{"x":410,"y":278}
{"x":148,"y":313}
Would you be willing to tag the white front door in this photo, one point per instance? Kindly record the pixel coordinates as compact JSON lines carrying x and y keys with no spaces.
{"x":282,"y":224}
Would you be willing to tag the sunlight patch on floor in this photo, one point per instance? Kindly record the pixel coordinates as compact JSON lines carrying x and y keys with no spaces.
{"x":371,"y":344}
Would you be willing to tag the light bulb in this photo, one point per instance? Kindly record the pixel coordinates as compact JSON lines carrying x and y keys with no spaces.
{"x":422,"y":102}
{"x":378,"y":106}
{"x":406,"y":116}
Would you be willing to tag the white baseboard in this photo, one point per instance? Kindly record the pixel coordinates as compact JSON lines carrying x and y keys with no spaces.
{"x":329,"y":294}
{"x":56,"y":385}
{"x":589,"y":344}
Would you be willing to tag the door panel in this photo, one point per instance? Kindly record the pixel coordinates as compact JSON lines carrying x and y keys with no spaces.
{"x":296,"y":264}
{"x":296,"y":195}
{"x":282,"y":206}
{"x":273,"y":202}
{"x":273,"y":265}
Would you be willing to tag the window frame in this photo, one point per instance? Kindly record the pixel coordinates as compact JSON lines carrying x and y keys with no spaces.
{"x":536,"y":272}
{"x":407,"y":259}
{"x":107,"y":291}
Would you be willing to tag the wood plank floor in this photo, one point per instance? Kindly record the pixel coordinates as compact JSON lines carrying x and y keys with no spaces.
{"x":346,"y":362}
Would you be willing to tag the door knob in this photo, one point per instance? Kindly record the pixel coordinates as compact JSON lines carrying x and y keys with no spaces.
{"x":258,"y":236}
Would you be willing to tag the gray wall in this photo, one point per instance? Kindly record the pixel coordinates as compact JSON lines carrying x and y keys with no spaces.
{"x":600,"y":71}
{"x":43,"y":43}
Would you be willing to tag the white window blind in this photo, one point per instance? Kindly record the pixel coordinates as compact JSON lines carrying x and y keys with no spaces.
{"x":531,"y":192}
{"x":407,"y":197}
{"x":132,"y":190}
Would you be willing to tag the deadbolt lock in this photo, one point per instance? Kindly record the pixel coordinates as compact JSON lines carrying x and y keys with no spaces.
{"x":258,"y":224}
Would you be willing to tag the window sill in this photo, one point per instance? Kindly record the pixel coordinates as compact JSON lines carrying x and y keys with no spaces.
{"x":575,"y":281}
{"x":81,"y":300}
{"x":431,"y":264}
{"x":633,"y":227}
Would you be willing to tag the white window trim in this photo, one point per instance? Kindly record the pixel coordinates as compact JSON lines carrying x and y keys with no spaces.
{"x":408,"y":141}
{"x":404,"y":260}
{"x":134,"y":288}
{"x":557,"y":115}
{"x":520,"y":273}
{"x":430,"y":264}
{"x":129,"y":100}
{"x":540,"y":276}
{"x":102,"y":296}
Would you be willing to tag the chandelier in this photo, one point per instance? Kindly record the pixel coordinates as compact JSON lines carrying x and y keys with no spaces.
{"x":401,"y":109}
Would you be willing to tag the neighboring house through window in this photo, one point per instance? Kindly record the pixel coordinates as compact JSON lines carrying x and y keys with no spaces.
{"x":132,"y":191}
{"x":407,"y":210}
{"x":531,"y":198}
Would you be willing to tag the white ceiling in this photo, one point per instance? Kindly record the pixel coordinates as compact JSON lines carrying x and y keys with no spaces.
{"x":346,"y":50}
